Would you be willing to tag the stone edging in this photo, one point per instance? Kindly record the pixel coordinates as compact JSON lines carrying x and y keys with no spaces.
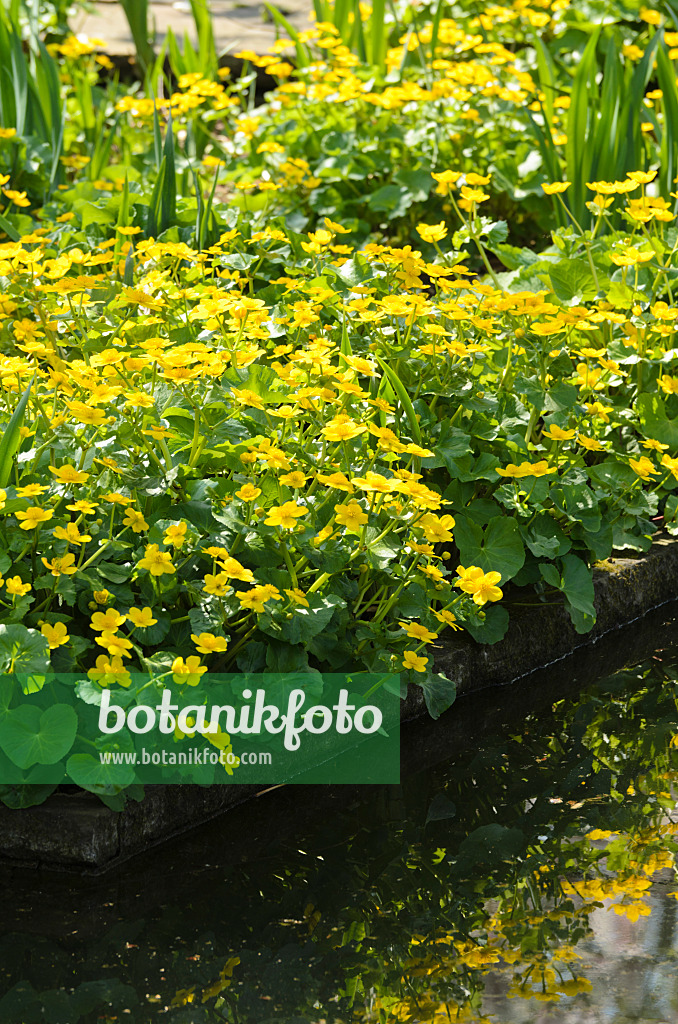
{"x":625,"y":589}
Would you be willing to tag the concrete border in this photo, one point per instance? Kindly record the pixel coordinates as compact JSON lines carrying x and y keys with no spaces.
{"x":74,"y":831}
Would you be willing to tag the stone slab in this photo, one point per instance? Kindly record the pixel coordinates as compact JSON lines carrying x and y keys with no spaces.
{"x":241,"y":25}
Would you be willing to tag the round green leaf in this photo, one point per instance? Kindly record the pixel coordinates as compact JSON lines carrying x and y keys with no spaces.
{"x":29,"y":736}
{"x":23,"y":650}
{"x":90,"y":773}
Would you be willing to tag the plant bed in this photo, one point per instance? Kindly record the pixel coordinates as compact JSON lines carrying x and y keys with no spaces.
{"x":74,"y":831}
{"x":314,"y":428}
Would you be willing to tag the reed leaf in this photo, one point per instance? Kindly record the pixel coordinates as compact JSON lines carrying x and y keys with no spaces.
{"x":11,"y":438}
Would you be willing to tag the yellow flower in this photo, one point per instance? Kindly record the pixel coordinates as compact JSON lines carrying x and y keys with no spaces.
{"x":375,"y":483}
{"x":297,"y":596}
{"x":141,"y":617}
{"x":416,"y":631}
{"x":117,"y":646}
{"x":71,"y":533}
{"x":285,"y":515}
{"x":232,"y":568}
{"x":86,"y":414}
{"x":86,"y":507}
{"x":102,"y":596}
{"x":557,"y":434}
{"x":248,"y":492}
{"x":175,"y":535}
{"x":107,"y":621}
{"x":631,"y":256}
{"x":218,"y":585}
{"x":110,"y":670}
{"x":295,"y":479}
{"x":55,"y":635}
{"x":31,"y":491}
{"x":432,"y":232}
{"x":16,"y":587}
{"x":556,"y":186}
{"x":208,"y":643}
{"x":339,"y":481}
{"x":18,"y":198}
{"x":436,"y":528}
{"x":342,"y":428}
{"x":188,"y":671}
{"x":643,"y":468}
{"x":351,"y":516}
{"x":540,"y":468}
{"x":671,"y":465}
{"x":256,"y":598}
{"x":411,"y":660}
{"x":69,"y":474}
{"x":669,"y":385}
{"x":33,"y":516}
{"x":447,"y":182}
{"x":483,"y":586}
{"x":654,"y":445}
{"x":447,"y":618}
{"x":61,"y":565}
{"x":156,"y":561}
{"x":590,"y":443}
{"x":135,"y":520}
{"x":473,"y":195}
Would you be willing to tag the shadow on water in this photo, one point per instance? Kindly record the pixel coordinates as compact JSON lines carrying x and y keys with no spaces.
{"x":522,"y":870}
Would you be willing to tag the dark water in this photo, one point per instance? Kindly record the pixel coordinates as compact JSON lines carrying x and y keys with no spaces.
{"x":522,"y":872}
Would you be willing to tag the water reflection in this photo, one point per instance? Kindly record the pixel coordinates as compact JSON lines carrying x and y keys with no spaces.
{"x":514,"y":882}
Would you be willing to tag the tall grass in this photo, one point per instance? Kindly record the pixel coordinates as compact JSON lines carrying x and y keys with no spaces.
{"x":30,"y":94}
{"x":605,"y":139}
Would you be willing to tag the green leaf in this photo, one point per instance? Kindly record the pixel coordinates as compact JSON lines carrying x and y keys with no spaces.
{"x":11,"y":438}
{"x":492,"y":842}
{"x":575,"y":580}
{"x":654,"y":422}
{"x":400,"y":390}
{"x":498,"y":548}
{"x":23,"y":650}
{"x":545,"y":539}
{"x":571,"y":279}
{"x":439,"y":693}
{"x":441,"y":808}
{"x":30,"y":736}
{"x":492,"y":628}
{"x":308,"y":622}
{"x":88,"y":772}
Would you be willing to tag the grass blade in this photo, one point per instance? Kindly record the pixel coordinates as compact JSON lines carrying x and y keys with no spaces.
{"x":11,"y":438}
{"x":400,"y":390}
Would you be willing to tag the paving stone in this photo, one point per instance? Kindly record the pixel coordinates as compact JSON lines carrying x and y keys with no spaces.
{"x":245,"y":24}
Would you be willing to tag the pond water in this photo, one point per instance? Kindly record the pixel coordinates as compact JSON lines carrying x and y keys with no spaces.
{"x":523,"y":871}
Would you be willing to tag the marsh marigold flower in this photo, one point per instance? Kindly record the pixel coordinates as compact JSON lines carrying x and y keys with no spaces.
{"x":481,"y":585}
{"x":141,"y":617}
{"x":61,"y":565}
{"x":33,"y":517}
{"x":416,"y":631}
{"x":55,"y":635}
{"x":412,"y":660}
{"x":643,"y":467}
{"x":556,"y":186}
{"x":16,"y":587}
{"x":351,"y":516}
{"x":156,"y":561}
{"x":285,"y":515}
{"x":208,"y":643}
